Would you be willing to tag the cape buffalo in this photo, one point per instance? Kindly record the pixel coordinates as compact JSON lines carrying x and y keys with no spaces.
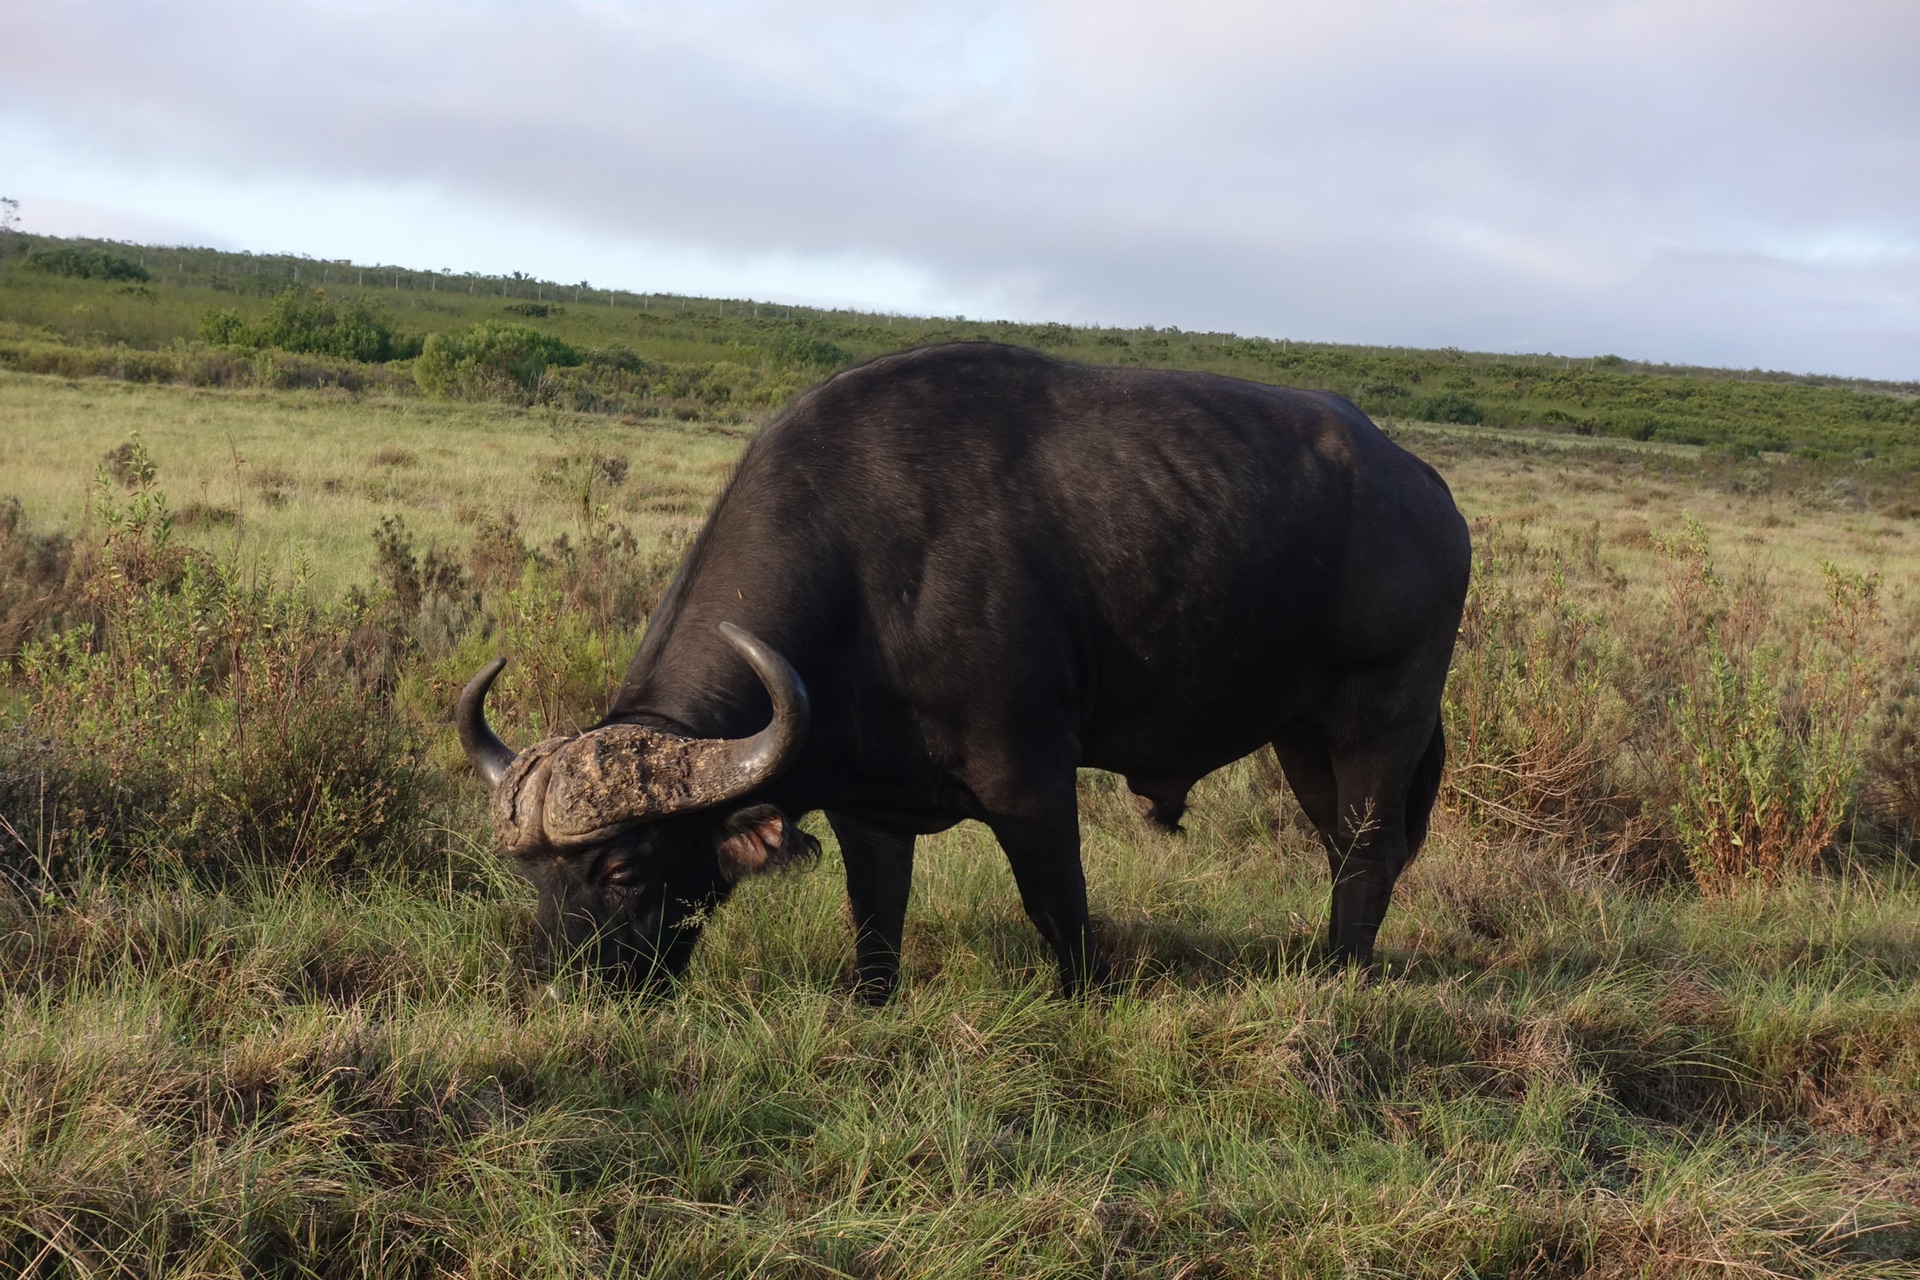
{"x":943,"y":581}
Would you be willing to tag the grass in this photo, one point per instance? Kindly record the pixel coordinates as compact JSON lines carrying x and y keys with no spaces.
{"x":360,"y":1080}
{"x":1576,"y":1063}
{"x":310,"y":474}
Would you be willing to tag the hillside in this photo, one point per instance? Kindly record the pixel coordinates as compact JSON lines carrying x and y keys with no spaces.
{"x":208,"y":317}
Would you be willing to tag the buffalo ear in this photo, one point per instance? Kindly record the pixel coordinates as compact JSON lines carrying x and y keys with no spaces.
{"x":759,"y":839}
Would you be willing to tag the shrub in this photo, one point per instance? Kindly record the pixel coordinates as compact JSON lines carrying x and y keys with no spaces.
{"x":1769,"y":728}
{"x":1714,"y":731}
{"x":88,"y":264}
{"x":1381,"y":396}
{"x":616,"y":356}
{"x":223,"y":328}
{"x":210,"y":718}
{"x":810,"y":352}
{"x":38,"y":590}
{"x":129,"y":465}
{"x":1890,"y":781}
{"x":201,"y":367}
{"x":490,"y":360}
{"x":412,"y":580}
{"x":307,"y":321}
{"x":1535,"y":716}
{"x":1448,"y":406}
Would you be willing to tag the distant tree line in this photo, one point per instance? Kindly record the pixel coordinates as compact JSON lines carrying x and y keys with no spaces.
{"x":87,"y":264}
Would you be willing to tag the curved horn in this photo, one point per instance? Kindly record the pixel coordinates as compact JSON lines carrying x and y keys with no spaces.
{"x":489,"y":755}
{"x":568,"y":793}
{"x":757,"y":759}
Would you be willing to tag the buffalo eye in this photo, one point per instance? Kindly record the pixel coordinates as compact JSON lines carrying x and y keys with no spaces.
{"x":620,"y":873}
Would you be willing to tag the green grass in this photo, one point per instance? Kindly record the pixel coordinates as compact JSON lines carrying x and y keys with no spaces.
{"x":310,"y":474}
{"x":1575,"y":1063}
{"x":1558,"y":1078}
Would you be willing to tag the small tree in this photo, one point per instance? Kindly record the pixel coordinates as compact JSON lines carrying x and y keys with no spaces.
{"x":306,"y":320}
{"x":489,"y":360}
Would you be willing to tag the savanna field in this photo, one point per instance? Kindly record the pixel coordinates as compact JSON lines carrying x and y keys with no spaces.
{"x":1650,"y":1001}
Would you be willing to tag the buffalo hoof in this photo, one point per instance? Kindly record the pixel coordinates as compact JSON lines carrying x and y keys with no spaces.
{"x":871,"y":990}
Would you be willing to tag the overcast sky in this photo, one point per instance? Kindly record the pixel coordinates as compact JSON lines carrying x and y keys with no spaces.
{"x":1723,"y":182}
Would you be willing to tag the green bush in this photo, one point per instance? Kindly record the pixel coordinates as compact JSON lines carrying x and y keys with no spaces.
{"x":808,"y":351}
{"x":306,"y":321}
{"x":209,"y":718}
{"x":1449,"y":406}
{"x":1771,"y":728}
{"x":616,"y":356}
{"x":223,"y":328}
{"x":490,"y":360}
{"x":87,"y":264}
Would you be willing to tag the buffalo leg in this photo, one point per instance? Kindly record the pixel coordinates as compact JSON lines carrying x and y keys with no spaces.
{"x":1309,"y":768}
{"x":1044,"y":853}
{"x":879,"y":878}
{"x":1355,"y":795}
{"x":1371,"y":844}
{"x":1303,"y":758}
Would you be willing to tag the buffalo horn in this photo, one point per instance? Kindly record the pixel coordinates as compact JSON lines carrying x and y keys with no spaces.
{"x":757,"y":759}
{"x":489,"y":755}
{"x":572,"y":792}
{"x":619,"y":774}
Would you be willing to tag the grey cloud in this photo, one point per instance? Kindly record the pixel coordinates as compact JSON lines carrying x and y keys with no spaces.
{"x":1707,"y":181}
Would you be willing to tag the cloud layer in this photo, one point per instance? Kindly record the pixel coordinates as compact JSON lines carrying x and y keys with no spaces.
{"x":1691,"y":180}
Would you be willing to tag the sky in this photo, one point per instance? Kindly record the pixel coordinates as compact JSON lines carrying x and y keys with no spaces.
{"x":1698,"y":181}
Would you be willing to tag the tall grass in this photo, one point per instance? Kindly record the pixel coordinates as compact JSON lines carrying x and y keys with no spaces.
{"x":357,"y":1080}
{"x":1709,"y":726}
{"x":265,"y":1008}
{"x":1538,"y":709}
{"x":205,"y":714}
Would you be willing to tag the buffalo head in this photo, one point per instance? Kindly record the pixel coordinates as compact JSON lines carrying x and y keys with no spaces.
{"x":633,"y":834}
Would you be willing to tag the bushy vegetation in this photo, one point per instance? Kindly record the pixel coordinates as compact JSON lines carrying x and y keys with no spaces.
{"x":201,"y":715}
{"x":626,"y":354}
{"x":490,"y":361}
{"x":87,"y":264}
{"x":1449,"y":407}
{"x":232,"y":364}
{"x":1698,"y":726}
{"x":1652,"y":994}
{"x":307,"y":322}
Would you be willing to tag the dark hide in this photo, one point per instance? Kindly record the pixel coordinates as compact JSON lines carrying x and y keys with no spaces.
{"x":990,"y":569}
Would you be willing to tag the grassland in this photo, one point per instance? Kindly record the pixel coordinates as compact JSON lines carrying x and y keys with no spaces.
{"x":1587,"y":1055}
{"x":310,"y":474}
{"x":714,"y":359}
{"x":1559,"y":1079}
